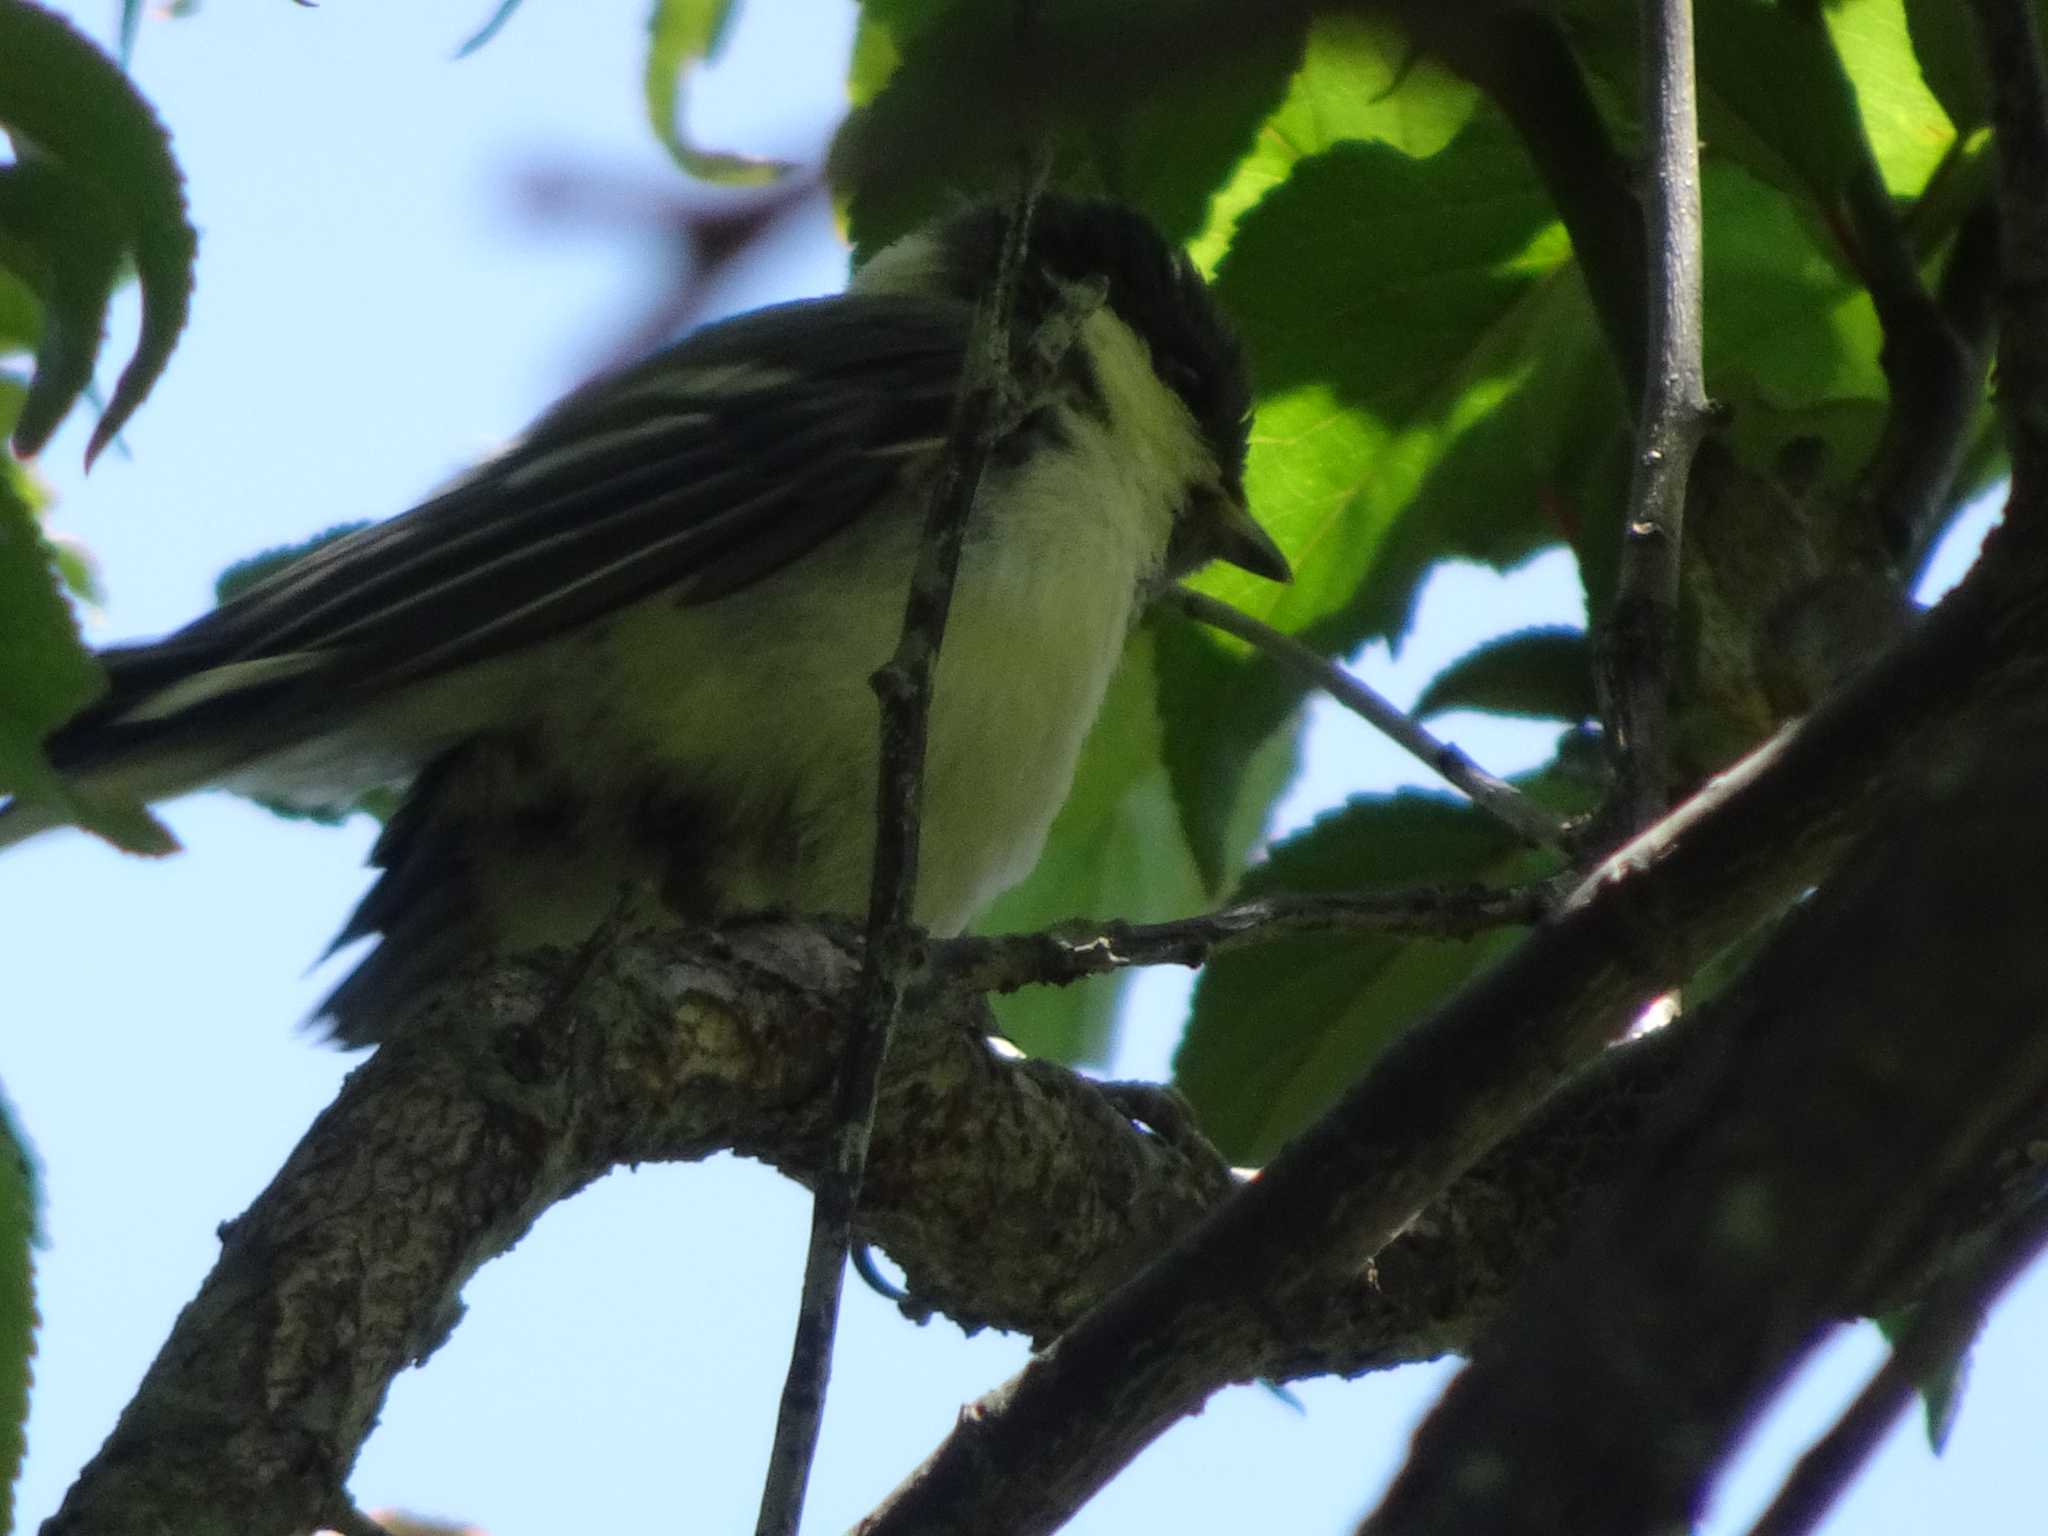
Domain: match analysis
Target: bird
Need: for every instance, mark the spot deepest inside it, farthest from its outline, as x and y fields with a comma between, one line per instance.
x=624, y=665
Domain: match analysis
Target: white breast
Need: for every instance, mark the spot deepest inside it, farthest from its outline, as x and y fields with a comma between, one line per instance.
x=762, y=700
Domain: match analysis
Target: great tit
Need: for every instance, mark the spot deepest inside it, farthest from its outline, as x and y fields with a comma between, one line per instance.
x=628, y=659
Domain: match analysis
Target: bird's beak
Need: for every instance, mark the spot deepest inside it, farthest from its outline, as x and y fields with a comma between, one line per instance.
x=1240, y=540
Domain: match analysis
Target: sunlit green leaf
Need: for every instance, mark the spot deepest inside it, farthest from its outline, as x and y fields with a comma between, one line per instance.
x=1537, y=673
x=1432, y=385
x=682, y=34
x=46, y=676
x=1907, y=128
x=1360, y=78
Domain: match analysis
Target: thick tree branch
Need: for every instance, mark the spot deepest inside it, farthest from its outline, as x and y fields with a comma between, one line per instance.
x=678, y=1046
x=1885, y=1045
x=1205, y=1313
x=441, y=1150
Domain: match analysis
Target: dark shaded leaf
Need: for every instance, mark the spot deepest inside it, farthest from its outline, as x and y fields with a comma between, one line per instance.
x=1223, y=713
x=1544, y=674
x=1941, y=1392
x=1153, y=102
x=1278, y=1031
x=1945, y=44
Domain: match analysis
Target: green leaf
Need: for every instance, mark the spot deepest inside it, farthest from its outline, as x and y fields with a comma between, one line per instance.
x=1278, y=1031
x=680, y=35
x=77, y=568
x=1775, y=95
x=1785, y=327
x=1795, y=92
x=20, y=1202
x=1544, y=674
x=1152, y=102
x=21, y=318
x=1390, y=305
x=1433, y=385
x=1360, y=78
x=1941, y=1390
x=46, y=674
x=1944, y=42
x=1227, y=754
x=46, y=677
x=1115, y=851
x=875, y=57
x=1909, y=133
x=94, y=184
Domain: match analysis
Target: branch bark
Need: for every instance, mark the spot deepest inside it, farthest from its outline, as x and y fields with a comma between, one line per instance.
x=1881, y=1049
x=1212, y=1309
x=1638, y=643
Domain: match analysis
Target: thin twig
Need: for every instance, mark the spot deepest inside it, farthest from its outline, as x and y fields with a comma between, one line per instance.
x=904, y=688
x=1498, y=798
x=1941, y=1329
x=1075, y=950
x=2011, y=41
x=1637, y=650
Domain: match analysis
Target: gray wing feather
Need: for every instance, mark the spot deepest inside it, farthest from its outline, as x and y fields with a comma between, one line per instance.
x=702, y=469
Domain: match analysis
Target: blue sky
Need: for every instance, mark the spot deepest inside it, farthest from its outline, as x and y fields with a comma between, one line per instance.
x=379, y=302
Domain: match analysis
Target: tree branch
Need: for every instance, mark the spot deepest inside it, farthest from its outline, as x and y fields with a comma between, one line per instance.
x=1205, y=1312
x=1939, y=1332
x=1639, y=639
x=2011, y=40
x=440, y=1151
x=1498, y=798
x=518, y=1090
x=1878, y=1053
x=1084, y=947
